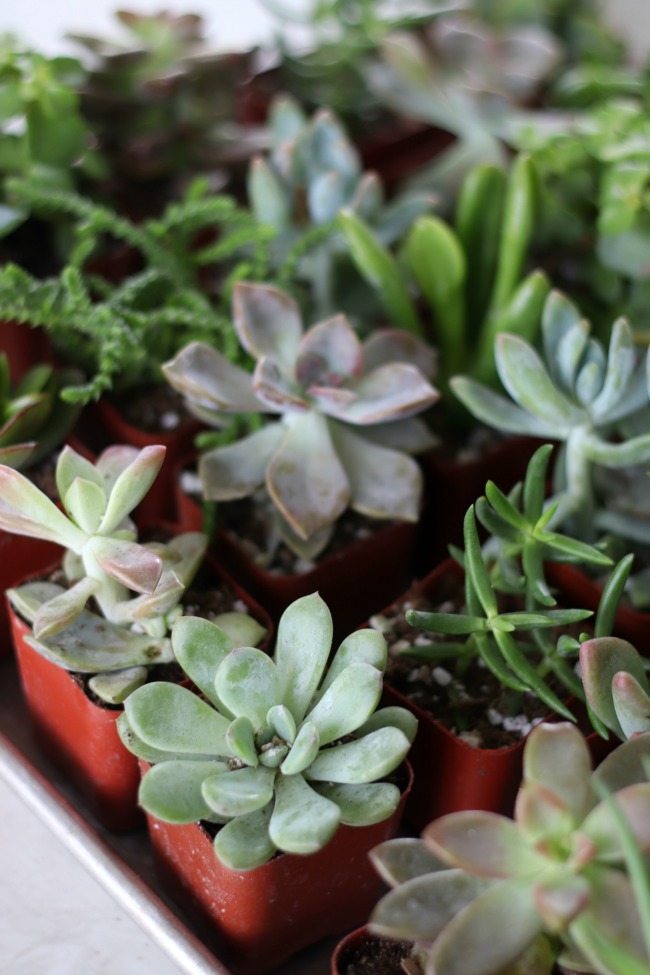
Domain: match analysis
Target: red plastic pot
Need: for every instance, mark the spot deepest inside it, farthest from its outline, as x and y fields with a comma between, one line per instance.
x=354, y=945
x=79, y=735
x=452, y=485
x=19, y=557
x=25, y=347
x=257, y=919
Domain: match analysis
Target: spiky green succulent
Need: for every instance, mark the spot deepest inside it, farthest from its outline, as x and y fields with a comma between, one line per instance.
x=280, y=750
x=345, y=416
x=557, y=871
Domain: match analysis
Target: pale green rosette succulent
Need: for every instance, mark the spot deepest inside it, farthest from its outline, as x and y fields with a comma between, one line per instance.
x=345, y=416
x=134, y=589
x=279, y=751
x=482, y=894
x=592, y=400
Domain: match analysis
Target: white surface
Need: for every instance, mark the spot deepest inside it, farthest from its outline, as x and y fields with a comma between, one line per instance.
x=55, y=919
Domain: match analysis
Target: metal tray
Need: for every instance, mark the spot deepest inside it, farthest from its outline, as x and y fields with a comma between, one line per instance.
x=123, y=864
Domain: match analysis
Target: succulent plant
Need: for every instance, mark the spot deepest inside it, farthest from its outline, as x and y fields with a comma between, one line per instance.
x=120, y=333
x=558, y=872
x=616, y=685
x=312, y=171
x=465, y=78
x=103, y=562
x=510, y=616
x=33, y=420
x=469, y=273
x=161, y=100
x=346, y=416
x=279, y=751
x=590, y=400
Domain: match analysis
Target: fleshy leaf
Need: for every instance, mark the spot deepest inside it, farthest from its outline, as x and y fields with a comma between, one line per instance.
x=239, y=469
x=365, y=760
x=397, y=861
x=268, y=322
x=362, y=805
x=24, y=510
x=281, y=720
x=328, y=352
x=134, y=565
x=115, y=686
x=204, y=375
x=172, y=791
x=303, y=751
x=632, y=705
x=240, y=792
x=60, y=611
x=248, y=684
x=85, y=502
x=390, y=717
x=200, y=648
x=600, y=825
x=172, y=718
x=131, y=487
x=349, y=702
x=363, y=646
x=483, y=843
x=557, y=757
x=559, y=903
x=600, y=660
x=244, y=843
x=524, y=375
x=390, y=392
x=241, y=741
x=301, y=651
x=302, y=820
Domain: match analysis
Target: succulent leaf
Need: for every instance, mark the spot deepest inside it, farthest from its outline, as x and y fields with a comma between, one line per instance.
x=302, y=648
x=24, y=510
x=240, y=738
x=268, y=322
x=362, y=646
x=235, y=471
x=361, y=805
x=240, y=792
x=248, y=684
x=131, y=487
x=557, y=757
x=170, y=717
x=600, y=660
x=364, y=760
x=134, y=565
x=201, y=373
x=60, y=611
x=173, y=791
x=600, y=825
x=302, y=820
x=402, y=859
x=244, y=843
x=348, y=702
x=303, y=751
x=485, y=844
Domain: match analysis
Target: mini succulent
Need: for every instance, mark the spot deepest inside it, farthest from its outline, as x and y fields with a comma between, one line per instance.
x=33, y=420
x=469, y=272
x=616, y=685
x=280, y=750
x=594, y=402
x=466, y=78
x=558, y=872
x=312, y=171
x=346, y=416
x=103, y=563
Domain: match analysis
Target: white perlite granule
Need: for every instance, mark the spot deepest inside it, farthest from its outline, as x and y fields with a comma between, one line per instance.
x=518, y=722
x=442, y=676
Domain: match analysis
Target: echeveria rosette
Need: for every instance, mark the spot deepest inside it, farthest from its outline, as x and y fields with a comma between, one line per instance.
x=103, y=561
x=346, y=414
x=579, y=394
x=281, y=750
x=555, y=872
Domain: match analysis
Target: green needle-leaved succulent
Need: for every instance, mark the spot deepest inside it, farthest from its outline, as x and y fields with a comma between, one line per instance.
x=480, y=890
x=104, y=562
x=346, y=416
x=280, y=750
x=576, y=393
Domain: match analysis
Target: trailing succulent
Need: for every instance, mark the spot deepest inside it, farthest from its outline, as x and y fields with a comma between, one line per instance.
x=567, y=873
x=594, y=402
x=103, y=564
x=33, y=419
x=345, y=416
x=523, y=647
x=277, y=751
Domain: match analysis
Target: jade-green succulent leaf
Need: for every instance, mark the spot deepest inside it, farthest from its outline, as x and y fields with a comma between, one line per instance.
x=240, y=792
x=245, y=843
x=362, y=646
x=248, y=684
x=302, y=820
x=200, y=648
x=235, y=471
x=173, y=791
x=172, y=718
x=303, y=751
x=394, y=717
x=131, y=487
x=361, y=805
x=240, y=738
x=364, y=760
x=61, y=610
x=301, y=651
x=348, y=702
x=85, y=502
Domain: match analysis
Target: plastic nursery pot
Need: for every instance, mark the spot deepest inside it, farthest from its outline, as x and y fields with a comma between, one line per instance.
x=402, y=147
x=453, y=483
x=353, y=581
x=257, y=919
x=20, y=557
x=24, y=347
x=103, y=424
x=451, y=774
x=577, y=589
x=78, y=734
x=360, y=949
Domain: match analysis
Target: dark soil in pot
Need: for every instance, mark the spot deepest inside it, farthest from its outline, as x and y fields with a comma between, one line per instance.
x=361, y=953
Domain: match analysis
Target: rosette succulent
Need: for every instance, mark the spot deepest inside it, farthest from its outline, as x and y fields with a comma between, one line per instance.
x=104, y=562
x=594, y=402
x=278, y=751
x=557, y=873
x=346, y=416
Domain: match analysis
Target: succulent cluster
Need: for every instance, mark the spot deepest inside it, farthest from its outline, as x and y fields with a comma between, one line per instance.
x=345, y=416
x=279, y=751
x=557, y=872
